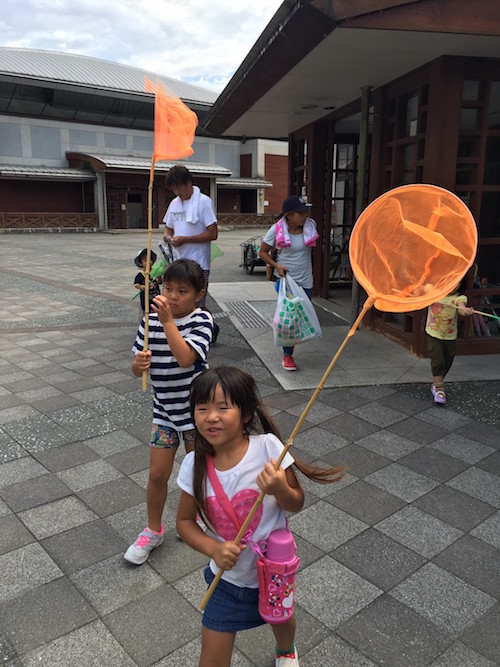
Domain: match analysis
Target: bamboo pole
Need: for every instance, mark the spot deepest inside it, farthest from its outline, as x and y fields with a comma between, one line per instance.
x=148, y=267
x=366, y=306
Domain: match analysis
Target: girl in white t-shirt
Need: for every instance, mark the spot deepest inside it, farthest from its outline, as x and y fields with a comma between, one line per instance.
x=225, y=405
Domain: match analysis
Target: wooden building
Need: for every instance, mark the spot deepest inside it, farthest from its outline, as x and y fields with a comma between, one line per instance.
x=373, y=94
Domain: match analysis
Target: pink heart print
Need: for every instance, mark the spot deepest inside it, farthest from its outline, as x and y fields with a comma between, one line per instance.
x=242, y=503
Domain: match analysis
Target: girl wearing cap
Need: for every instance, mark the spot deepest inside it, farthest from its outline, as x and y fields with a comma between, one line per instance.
x=293, y=236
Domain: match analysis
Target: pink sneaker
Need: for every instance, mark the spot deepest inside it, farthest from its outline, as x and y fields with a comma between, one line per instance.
x=139, y=551
x=289, y=364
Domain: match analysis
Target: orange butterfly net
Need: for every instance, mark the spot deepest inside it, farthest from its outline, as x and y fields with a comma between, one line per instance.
x=408, y=249
x=412, y=246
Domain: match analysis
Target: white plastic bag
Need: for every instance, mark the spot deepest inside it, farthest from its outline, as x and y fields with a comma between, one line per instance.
x=295, y=320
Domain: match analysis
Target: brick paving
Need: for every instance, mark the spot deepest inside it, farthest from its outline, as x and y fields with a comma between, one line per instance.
x=400, y=560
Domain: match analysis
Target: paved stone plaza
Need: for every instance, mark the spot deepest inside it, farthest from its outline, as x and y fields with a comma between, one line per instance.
x=400, y=560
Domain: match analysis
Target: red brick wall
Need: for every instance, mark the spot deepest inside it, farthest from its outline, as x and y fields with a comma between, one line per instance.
x=276, y=171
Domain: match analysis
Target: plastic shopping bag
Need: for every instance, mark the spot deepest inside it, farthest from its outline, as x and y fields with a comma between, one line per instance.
x=295, y=320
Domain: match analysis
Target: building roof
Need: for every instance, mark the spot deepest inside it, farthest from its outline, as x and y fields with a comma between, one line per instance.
x=101, y=162
x=84, y=71
x=46, y=173
x=338, y=48
x=243, y=183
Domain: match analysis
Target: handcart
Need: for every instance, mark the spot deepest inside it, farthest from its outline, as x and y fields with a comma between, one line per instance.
x=250, y=254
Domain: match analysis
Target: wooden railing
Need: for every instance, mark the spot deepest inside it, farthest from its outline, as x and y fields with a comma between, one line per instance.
x=245, y=220
x=48, y=220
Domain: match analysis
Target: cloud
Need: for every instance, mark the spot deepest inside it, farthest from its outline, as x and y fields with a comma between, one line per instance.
x=198, y=41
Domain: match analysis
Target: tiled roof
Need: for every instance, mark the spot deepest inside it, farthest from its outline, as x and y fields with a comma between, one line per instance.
x=80, y=70
x=142, y=163
x=244, y=183
x=51, y=173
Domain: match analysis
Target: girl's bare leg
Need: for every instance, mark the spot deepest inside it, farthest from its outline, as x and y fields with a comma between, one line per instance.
x=284, y=633
x=216, y=648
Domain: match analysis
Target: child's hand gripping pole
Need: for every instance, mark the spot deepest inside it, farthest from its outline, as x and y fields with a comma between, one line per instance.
x=366, y=306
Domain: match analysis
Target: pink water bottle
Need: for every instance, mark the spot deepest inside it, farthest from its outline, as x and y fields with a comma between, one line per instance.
x=276, y=569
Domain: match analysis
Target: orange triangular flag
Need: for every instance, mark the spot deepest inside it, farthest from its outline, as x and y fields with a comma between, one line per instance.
x=175, y=125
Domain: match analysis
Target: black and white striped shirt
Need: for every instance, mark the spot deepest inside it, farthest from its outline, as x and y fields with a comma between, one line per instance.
x=171, y=383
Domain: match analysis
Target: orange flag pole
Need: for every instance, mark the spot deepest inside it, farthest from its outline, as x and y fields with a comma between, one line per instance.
x=174, y=128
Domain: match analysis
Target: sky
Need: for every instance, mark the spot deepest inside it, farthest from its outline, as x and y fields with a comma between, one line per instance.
x=198, y=41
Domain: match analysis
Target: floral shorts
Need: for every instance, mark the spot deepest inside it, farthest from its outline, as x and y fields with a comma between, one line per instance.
x=166, y=437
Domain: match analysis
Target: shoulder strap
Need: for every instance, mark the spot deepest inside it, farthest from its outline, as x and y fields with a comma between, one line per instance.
x=220, y=493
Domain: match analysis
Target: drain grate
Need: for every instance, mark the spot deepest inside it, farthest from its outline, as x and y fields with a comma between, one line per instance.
x=249, y=317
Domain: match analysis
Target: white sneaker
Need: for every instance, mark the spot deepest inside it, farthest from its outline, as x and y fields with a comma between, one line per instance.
x=139, y=551
x=287, y=661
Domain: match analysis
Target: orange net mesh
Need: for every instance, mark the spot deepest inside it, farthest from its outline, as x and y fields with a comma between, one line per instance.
x=412, y=246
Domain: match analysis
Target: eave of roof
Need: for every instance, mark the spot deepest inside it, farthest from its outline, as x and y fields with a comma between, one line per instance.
x=345, y=46
x=243, y=183
x=46, y=173
x=100, y=162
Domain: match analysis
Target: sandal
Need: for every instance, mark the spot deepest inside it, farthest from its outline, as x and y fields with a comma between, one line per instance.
x=439, y=397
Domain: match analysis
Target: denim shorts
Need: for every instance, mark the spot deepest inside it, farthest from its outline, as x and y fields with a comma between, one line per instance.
x=231, y=608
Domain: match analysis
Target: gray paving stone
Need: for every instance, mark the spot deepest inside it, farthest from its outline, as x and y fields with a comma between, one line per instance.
x=83, y=546
x=318, y=443
x=25, y=568
x=454, y=507
x=150, y=616
x=33, y=492
x=332, y=592
x=388, y=444
x=14, y=534
x=401, y=482
x=325, y=526
x=335, y=651
x=489, y=530
x=409, y=405
x=13, y=472
x=480, y=433
x=462, y=448
x=474, y=561
x=81, y=647
x=415, y=429
x=359, y=461
x=43, y=614
x=344, y=399
x=38, y=433
x=458, y=654
x=444, y=599
x=112, y=497
x=378, y=558
x=419, y=531
x=433, y=463
x=349, y=427
x=491, y=463
x=366, y=502
x=65, y=456
x=317, y=413
x=484, y=637
x=131, y=460
x=88, y=475
x=113, y=583
x=386, y=630
x=479, y=484
x=56, y=517
x=447, y=419
x=378, y=414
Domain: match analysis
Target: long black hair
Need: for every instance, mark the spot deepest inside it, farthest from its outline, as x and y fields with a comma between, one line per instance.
x=239, y=389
